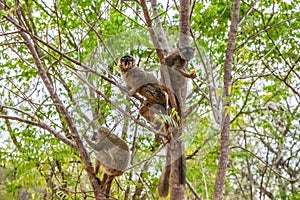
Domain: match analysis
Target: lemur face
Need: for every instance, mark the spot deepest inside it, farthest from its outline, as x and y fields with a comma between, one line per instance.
x=101, y=131
x=126, y=63
x=187, y=52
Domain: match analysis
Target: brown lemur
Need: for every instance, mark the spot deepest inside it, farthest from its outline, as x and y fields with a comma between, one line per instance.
x=176, y=62
x=163, y=182
x=145, y=84
x=112, y=155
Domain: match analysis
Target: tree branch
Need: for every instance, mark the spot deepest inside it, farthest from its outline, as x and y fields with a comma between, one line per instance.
x=225, y=131
x=164, y=69
x=59, y=105
x=162, y=38
x=43, y=126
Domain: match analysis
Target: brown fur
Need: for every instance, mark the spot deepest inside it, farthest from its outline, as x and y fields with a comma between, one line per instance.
x=146, y=84
x=112, y=155
x=176, y=62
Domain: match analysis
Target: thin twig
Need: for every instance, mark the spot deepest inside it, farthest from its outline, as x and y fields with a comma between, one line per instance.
x=147, y=159
x=193, y=190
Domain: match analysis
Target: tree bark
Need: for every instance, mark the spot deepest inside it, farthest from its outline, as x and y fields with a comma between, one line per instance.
x=176, y=145
x=225, y=130
x=162, y=38
x=184, y=23
x=155, y=41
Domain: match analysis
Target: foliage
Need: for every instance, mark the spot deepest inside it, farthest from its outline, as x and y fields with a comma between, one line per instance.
x=76, y=39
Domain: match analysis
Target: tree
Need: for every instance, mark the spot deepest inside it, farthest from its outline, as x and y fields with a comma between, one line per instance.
x=60, y=80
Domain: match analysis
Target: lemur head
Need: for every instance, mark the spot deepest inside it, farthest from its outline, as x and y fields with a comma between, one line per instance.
x=186, y=52
x=101, y=131
x=126, y=63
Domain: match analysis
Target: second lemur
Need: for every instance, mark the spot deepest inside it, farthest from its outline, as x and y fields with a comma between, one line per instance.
x=112, y=155
x=176, y=61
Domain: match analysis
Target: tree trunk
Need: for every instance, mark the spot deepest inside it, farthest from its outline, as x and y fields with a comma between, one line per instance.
x=225, y=130
x=177, y=152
